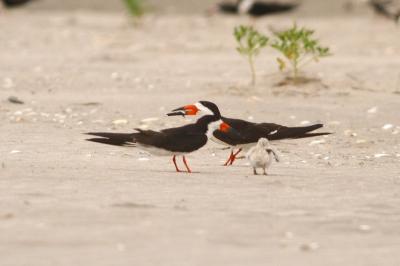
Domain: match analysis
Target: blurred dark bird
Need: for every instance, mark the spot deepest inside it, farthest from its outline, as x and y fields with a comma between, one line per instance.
x=14, y=3
x=387, y=8
x=254, y=8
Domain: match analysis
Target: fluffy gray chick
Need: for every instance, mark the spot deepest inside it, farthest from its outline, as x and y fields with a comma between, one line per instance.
x=261, y=155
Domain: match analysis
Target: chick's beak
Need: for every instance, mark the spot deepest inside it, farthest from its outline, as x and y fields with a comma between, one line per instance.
x=185, y=110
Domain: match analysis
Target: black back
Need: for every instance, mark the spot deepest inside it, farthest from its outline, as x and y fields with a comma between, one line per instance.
x=183, y=139
x=249, y=132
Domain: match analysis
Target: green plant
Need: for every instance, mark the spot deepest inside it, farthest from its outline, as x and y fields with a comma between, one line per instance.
x=250, y=42
x=299, y=47
x=135, y=7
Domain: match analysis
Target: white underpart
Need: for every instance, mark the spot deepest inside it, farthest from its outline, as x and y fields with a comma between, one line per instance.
x=203, y=110
x=158, y=151
x=245, y=6
x=212, y=127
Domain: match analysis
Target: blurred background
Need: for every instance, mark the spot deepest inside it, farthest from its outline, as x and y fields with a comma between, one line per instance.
x=307, y=7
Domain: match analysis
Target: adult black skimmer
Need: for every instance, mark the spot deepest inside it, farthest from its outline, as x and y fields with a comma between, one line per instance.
x=387, y=8
x=246, y=133
x=254, y=8
x=168, y=142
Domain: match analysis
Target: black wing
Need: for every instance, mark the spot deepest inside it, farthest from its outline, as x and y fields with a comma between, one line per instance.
x=251, y=132
x=172, y=139
x=117, y=139
x=261, y=8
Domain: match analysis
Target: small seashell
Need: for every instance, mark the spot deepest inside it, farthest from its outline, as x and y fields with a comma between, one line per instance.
x=115, y=76
x=316, y=142
x=387, y=126
x=143, y=159
x=14, y=151
x=8, y=83
x=365, y=227
x=379, y=155
x=350, y=133
x=120, y=122
x=305, y=122
x=372, y=110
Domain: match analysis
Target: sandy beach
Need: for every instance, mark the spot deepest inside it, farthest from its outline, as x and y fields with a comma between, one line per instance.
x=332, y=200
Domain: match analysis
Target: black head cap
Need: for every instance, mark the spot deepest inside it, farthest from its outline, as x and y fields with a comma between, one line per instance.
x=212, y=106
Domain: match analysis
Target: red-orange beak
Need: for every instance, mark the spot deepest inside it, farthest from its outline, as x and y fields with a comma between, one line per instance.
x=224, y=127
x=185, y=110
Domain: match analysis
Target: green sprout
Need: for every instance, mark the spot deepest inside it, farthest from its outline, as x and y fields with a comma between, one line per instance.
x=135, y=7
x=299, y=48
x=250, y=42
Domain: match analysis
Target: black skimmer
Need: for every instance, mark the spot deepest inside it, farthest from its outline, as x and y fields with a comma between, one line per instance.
x=387, y=8
x=168, y=142
x=246, y=133
x=14, y=3
x=254, y=8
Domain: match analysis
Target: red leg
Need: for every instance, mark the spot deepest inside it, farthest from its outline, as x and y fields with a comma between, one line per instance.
x=187, y=167
x=229, y=159
x=176, y=166
x=234, y=156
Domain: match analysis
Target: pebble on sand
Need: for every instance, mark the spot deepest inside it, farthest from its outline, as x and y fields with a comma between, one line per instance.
x=309, y=246
x=15, y=100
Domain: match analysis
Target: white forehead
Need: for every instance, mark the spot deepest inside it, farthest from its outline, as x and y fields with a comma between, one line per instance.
x=203, y=109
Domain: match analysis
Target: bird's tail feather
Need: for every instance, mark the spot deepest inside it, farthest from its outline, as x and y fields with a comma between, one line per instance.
x=297, y=132
x=116, y=139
